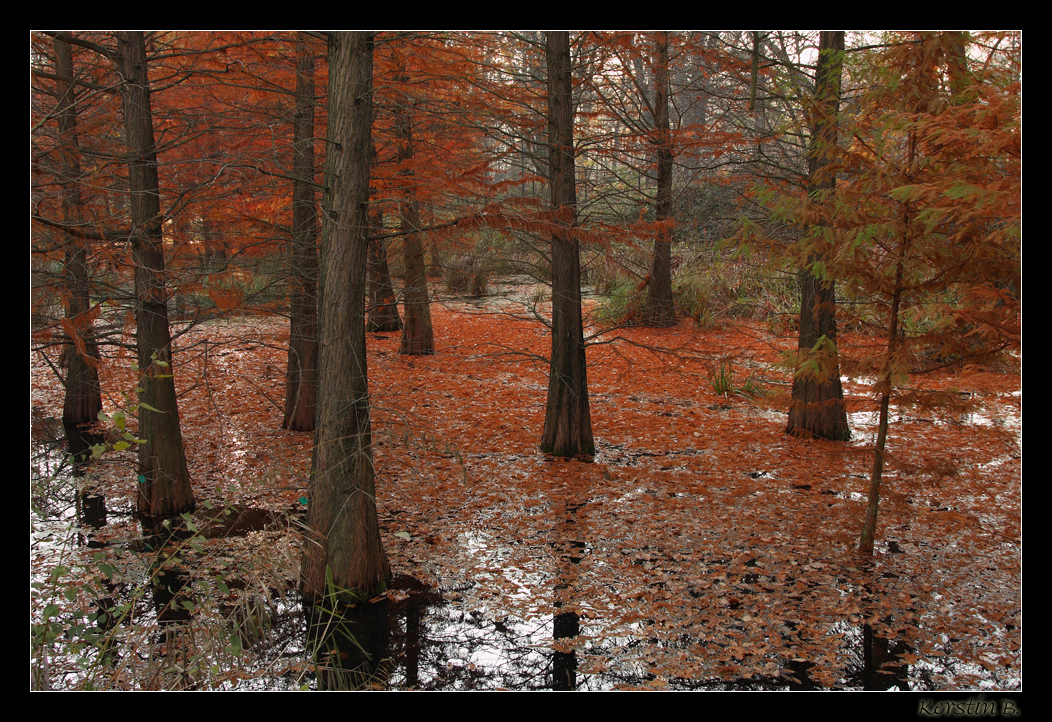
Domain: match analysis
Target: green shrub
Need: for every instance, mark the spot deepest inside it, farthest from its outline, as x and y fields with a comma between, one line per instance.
x=706, y=287
x=622, y=304
x=694, y=297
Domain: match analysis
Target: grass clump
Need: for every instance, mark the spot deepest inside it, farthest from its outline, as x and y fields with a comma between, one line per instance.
x=708, y=287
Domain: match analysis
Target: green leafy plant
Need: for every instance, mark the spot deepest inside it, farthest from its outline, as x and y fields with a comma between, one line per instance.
x=120, y=417
x=723, y=382
x=723, y=378
x=94, y=616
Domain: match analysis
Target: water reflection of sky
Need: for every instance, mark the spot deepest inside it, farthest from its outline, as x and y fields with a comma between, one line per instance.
x=479, y=645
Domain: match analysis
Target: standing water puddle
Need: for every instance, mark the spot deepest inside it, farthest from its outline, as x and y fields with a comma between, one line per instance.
x=686, y=611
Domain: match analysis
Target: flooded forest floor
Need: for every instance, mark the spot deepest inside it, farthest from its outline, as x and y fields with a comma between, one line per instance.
x=702, y=548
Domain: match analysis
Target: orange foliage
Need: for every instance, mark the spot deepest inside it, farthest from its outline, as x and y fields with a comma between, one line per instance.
x=713, y=543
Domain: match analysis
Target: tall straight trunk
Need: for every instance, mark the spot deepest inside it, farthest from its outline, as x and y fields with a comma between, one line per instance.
x=817, y=408
x=343, y=534
x=661, y=310
x=434, y=258
x=418, y=337
x=567, y=420
x=301, y=383
x=383, y=305
x=869, y=528
x=957, y=67
x=163, y=480
x=885, y=380
x=83, y=400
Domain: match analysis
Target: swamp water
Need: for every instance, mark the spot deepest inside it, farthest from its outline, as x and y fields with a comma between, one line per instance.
x=151, y=626
x=111, y=610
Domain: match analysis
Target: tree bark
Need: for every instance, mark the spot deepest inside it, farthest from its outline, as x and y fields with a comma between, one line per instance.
x=163, y=481
x=957, y=68
x=383, y=304
x=567, y=421
x=343, y=535
x=661, y=310
x=301, y=382
x=885, y=380
x=817, y=408
x=869, y=528
x=83, y=400
x=418, y=337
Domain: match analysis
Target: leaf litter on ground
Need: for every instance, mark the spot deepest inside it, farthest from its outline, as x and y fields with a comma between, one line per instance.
x=702, y=543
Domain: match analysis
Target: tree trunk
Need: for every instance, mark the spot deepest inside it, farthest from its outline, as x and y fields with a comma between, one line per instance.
x=344, y=536
x=661, y=310
x=301, y=383
x=869, y=528
x=163, y=481
x=567, y=421
x=961, y=92
x=383, y=305
x=83, y=400
x=885, y=380
x=418, y=337
x=434, y=262
x=817, y=408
